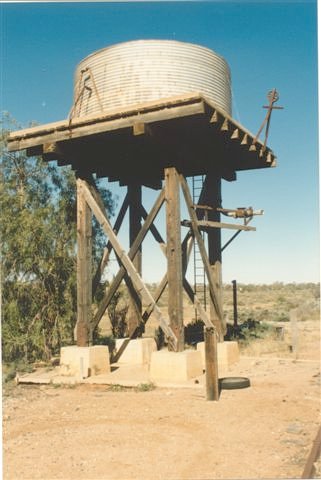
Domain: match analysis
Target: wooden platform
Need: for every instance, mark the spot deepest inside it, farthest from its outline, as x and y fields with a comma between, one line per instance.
x=188, y=132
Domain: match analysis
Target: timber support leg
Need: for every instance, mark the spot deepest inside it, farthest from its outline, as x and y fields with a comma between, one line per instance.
x=84, y=274
x=135, y=306
x=212, y=198
x=211, y=368
x=174, y=255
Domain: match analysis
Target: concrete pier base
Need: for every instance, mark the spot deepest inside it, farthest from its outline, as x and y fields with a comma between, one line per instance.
x=168, y=366
x=137, y=352
x=227, y=354
x=83, y=362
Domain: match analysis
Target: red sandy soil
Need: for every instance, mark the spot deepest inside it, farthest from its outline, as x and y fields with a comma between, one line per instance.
x=92, y=432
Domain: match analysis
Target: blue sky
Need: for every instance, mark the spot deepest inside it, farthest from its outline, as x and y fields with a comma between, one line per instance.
x=266, y=44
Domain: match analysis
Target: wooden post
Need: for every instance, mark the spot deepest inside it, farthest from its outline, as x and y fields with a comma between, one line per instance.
x=211, y=370
x=309, y=469
x=105, y=257
x=234, y=303
x=135, y=201
x=212, y=198
x=84, y=274
x=174, y=255
x=294, y=331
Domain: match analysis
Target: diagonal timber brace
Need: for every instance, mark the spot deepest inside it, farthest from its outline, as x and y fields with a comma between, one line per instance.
x=106, y=253
x=94, y=201
x=198, y=305
x=187, y=246
x=157, y=236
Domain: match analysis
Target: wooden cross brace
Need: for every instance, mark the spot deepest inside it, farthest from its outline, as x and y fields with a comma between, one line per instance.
x=94, y=201
x=107, y=250
x=186, y=248
x=131, y=254
x=127, y=270
x=187, y=245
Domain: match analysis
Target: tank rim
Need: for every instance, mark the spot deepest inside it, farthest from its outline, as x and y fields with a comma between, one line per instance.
x=146, y=40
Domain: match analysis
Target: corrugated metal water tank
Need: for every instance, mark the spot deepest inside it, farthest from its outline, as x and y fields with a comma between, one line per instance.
x=130, y=73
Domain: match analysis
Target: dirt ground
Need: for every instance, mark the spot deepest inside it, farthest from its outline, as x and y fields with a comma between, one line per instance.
x=93, y=432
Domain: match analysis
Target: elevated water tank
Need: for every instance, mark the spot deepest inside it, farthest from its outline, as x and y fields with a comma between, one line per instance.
x=130, y=73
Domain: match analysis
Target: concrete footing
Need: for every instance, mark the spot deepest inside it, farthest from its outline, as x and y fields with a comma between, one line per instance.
x=137, y=352
x=227, y=354
x=83, y=362
x=168, y=366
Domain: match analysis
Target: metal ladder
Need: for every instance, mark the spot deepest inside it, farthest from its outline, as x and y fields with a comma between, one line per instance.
x=199, y=272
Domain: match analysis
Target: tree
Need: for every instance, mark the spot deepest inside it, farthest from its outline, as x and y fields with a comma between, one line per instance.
x=38, y=253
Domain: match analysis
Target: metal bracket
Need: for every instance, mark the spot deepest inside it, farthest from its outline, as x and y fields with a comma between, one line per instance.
x=246, y=213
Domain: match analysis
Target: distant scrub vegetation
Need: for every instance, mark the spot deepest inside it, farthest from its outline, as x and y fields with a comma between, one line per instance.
x=38, y=253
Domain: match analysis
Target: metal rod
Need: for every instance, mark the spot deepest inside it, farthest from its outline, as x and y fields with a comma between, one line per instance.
x=234, y=302
x=231, y=240
x=246, y=221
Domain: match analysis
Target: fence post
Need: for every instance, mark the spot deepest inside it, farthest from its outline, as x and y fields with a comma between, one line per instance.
x=294, y=331
x=211, y=370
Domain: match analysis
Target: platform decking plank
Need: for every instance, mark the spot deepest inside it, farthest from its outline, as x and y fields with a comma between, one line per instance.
x=66, y=130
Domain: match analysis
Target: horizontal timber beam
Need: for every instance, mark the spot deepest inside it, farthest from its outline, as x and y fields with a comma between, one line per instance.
x=204, y=224
x=119, y=119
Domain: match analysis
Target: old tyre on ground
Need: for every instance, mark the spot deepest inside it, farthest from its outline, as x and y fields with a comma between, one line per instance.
x=233, y=383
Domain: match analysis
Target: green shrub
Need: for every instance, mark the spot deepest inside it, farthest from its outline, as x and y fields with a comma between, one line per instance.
x=10, y=370
x=117, y=388
x=145, y=387
x=247, y=331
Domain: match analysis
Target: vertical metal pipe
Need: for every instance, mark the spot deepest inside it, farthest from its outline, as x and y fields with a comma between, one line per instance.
x=234, y=302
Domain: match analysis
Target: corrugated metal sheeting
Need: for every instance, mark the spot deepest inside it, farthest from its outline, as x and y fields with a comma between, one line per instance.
x=140, y=71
